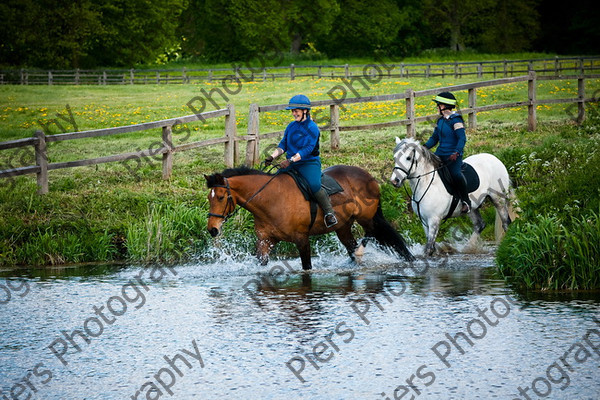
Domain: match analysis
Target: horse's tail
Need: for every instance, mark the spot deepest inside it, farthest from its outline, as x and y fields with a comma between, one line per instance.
x=386, y=235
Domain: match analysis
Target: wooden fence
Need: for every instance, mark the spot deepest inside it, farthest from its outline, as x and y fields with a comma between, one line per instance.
x=531, y=102
x=505, y=68
x=253, y=138
x=167, y=148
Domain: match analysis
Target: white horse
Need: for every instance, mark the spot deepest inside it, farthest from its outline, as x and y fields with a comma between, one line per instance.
x=430, y=199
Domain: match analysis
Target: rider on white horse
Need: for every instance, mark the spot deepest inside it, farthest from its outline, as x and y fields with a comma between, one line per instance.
x=450, y=134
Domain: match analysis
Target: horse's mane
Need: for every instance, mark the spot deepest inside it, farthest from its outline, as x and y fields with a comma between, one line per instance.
x=217, y=178
x=430, y=157
x=243, y=170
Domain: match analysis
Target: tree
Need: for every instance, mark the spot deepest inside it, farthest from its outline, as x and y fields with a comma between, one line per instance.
x=134, y=31
x=46, y=33
x=454, y=24
x=362, y=28
x=230, y=30
x=307, y=20
x=511, y=26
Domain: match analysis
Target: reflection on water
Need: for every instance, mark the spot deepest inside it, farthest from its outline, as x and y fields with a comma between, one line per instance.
x=340, y=332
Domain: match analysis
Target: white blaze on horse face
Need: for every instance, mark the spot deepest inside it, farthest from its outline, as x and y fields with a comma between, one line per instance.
x=212, y=193
x=402, y=165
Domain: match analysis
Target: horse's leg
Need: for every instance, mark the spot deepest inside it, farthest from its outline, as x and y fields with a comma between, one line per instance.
x=501, y=204
x=431, y=230
x=345, y=236
x=478, y=226
x=303, y=246
x=264, y=245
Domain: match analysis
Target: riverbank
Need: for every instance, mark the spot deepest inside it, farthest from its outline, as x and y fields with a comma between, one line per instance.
x=108, y=213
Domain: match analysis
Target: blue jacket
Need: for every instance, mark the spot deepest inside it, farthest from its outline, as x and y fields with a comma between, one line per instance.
x=450, y=133
x=302, y=138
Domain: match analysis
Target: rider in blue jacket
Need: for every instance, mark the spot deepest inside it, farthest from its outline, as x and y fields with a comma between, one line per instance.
x=301, y=144
x=450, y=134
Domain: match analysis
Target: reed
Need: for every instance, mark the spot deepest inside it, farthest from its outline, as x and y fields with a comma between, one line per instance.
x=553, y=253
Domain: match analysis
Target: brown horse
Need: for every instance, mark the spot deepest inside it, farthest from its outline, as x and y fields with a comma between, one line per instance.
x=282, y=214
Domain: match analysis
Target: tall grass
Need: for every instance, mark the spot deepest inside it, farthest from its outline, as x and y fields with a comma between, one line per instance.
x=167, y=233
x=553, y=253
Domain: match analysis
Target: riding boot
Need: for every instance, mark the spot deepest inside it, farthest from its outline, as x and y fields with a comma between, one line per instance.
x=461, y=185
x=323, y=199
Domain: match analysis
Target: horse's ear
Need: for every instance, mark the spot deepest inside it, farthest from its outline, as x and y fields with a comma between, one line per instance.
x=214, y=179
x=398, y=140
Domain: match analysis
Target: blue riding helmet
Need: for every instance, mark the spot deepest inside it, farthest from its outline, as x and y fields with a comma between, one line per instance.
x=299, y=101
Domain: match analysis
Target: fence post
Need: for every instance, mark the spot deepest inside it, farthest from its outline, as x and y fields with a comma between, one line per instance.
x=77, y=76
x=410, y=113
x=167, y=159
x=157, y=77
x=472, y=105
x=253, y=139
x=346, y=72
x=532, y=107
x=505, y=69
x=292, y=72
x=230, y=133
x=50, y=79
x=480, y=70
x=104, y=77
x=334, y=126
x=456, y=70
x=581, y=102
x=41, y=160
x=428, y=71
x=184, y=78
x=131, y=76
x=581, y=66
x=556, y=66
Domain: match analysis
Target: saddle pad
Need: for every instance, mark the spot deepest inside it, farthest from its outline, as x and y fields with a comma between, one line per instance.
x=470, y=175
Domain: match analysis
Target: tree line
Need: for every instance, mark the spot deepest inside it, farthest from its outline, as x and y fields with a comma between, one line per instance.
x=119, y=33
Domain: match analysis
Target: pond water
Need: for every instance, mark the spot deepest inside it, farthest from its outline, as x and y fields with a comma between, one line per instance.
x=226, y=327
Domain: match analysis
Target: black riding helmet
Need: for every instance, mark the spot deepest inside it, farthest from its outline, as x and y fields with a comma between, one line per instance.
x=446, y=98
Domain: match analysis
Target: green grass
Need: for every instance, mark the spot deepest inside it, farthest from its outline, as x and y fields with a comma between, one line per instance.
x=105, y=212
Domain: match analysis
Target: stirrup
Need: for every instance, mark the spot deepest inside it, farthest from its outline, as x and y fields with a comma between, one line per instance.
x=330, y=220
x=465, y=209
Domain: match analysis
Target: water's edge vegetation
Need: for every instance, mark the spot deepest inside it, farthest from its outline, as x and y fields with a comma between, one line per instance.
x=105, y=214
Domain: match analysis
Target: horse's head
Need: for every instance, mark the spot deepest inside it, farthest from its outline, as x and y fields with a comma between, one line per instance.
x=221, y=202
x=407, y=154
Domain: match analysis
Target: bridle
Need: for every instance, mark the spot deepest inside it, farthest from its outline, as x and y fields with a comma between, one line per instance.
x=225, y=215
x=407, y=173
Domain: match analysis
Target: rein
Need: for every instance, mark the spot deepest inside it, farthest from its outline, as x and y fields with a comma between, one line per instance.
x=418, y=202
x=225, y=215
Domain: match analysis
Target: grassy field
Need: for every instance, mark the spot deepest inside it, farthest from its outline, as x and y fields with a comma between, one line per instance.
x=106, y=212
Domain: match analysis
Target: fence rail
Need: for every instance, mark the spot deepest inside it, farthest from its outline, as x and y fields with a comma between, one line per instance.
x=503, y=68
x=471, y=111
x=167, y=149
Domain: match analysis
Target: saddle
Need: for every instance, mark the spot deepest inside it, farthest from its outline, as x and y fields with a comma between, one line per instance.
x=330, y=185
x=472, y=184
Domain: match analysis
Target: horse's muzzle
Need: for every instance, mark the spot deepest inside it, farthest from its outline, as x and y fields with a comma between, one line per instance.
x=213, y=232
x=396, y=182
